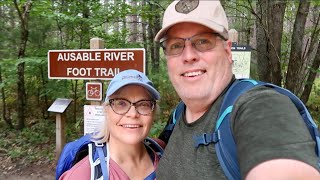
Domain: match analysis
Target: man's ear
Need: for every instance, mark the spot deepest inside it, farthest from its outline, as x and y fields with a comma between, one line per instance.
x=227, y=47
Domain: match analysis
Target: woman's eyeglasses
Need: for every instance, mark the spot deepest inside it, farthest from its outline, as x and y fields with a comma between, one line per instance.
x=122, y=106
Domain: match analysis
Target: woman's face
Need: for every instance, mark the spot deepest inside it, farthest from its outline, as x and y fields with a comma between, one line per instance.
x=130, y=127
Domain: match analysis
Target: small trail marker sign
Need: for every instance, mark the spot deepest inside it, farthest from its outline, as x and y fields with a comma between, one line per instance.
x=94, y=91
x=241, y=56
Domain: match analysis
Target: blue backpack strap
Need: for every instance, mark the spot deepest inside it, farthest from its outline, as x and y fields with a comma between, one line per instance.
x=166, y=133
x=69, y=153
x=103, y=154
x=151, y=176
x=154, y=146
x=175, y=116
x=312, y=126
x=225, y=146
x=230, y=97
x=99, y=160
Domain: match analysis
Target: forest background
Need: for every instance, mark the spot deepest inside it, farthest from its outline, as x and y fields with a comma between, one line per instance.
x=284, y=36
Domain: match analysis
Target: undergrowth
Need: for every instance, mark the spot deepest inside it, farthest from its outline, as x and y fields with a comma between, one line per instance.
x=314, y=101
x=35, y=143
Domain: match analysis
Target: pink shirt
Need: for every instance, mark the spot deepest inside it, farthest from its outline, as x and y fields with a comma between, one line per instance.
x=81, y=170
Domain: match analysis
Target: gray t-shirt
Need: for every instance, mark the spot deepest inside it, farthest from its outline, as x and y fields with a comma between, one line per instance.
x=265, y=125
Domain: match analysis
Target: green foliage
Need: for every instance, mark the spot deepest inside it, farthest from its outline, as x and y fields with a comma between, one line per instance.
x=169, y=98
x=9, y=80
x=157, y=128
x=314, y=101
x=74, y=130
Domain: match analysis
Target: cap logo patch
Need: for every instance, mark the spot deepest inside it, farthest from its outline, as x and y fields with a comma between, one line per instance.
x=186, y=6
x=133, y=77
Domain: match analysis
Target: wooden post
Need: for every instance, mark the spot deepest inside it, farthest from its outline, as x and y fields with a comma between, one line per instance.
x=96, y=43
x=59, y=107
x=233, y=36
x=60, y=134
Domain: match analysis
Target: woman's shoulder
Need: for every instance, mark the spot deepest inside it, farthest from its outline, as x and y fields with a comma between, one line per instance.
x=81, y=170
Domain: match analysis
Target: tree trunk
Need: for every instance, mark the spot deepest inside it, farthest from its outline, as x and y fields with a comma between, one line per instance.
x=23, y=15
x=45, y=113
x=85, y=27
x=156, y=46
x=293, y=82
x=124, y=19
x=151, y=34
x=133, y=27
x=275, y=17
x=311, y=49
x=269, y=22
x=261, y=36
x=311, y=77
x=75, y=97
x=4, y=104
x=21, y=96
x=145, y=39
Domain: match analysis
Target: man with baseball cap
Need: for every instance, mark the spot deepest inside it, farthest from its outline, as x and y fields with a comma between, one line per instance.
x=272, y=141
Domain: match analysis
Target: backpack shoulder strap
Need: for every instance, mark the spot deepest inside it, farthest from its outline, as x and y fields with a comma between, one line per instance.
x=312, y=126
x=225, y=145
x=70, y=154
x=154, y=145
x=99, y=160
x=166, y=133
x=175, y=116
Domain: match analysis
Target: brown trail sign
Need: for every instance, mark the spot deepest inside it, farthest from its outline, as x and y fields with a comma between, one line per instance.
x=93, y=63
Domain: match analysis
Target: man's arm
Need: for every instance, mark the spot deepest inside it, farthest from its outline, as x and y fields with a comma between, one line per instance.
x=281, y=169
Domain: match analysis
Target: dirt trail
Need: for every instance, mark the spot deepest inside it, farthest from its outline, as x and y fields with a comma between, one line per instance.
x=23, y=171
x=26, y=177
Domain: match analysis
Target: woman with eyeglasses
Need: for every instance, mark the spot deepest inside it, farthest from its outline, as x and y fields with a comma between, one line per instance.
x=130, y=108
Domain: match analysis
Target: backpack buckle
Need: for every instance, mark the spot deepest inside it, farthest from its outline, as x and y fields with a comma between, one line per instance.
x=98, y=144
x=205, y=139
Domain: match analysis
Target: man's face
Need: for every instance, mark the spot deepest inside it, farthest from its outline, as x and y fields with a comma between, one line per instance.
x=198, y=75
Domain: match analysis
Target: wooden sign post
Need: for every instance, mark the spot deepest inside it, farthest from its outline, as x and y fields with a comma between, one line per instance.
x=233, y=36
x=95, y=43
x=59, y=106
